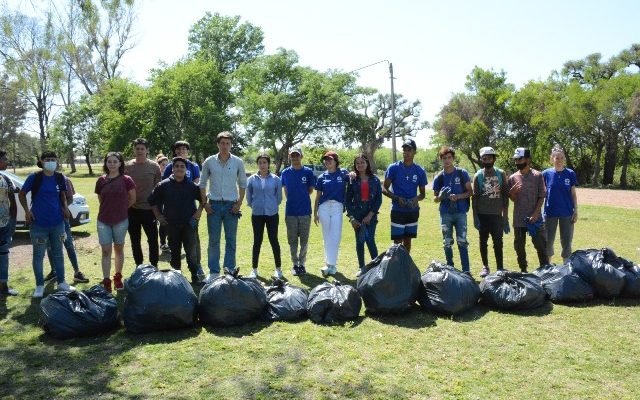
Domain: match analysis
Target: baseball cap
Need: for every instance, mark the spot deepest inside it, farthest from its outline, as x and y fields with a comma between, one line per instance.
x=487, y=151
x=410, y=143
x=295, y=150
x=331, y=154
x=522, y=152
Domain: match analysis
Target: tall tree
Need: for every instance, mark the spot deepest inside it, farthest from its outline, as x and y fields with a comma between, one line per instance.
x=12, y=111
x=225, y=40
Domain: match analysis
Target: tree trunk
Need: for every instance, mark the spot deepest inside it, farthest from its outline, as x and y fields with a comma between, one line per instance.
x=87, y=159
x=625, y=164
x=596, y=165
x=71, y=160
x=280, y=155
x=610, y=158
x=369, y=150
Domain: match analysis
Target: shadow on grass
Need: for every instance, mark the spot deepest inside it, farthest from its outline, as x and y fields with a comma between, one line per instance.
x=616, y=302
x=414, y=318
x=311, y=280
x=541, y=311
x=239, y=331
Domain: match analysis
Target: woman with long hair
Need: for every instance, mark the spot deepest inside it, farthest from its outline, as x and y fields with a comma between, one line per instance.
x=116, y=193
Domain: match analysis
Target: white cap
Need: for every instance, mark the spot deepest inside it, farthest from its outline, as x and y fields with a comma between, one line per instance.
x=487, y=151
x=522, y=152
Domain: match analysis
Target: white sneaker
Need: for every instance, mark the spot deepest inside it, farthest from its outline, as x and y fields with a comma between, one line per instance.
x=328, y=270
x=254, y=273
x=39, y=292
x=65, y=287
x=278, y=273
x=212, y=277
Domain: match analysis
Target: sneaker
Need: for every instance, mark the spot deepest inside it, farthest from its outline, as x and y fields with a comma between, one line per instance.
x=360, y=272
x=78, y=277
x=253, y=273
x=195, y=279
x=201, y=275
x=117, y=281
x=165, y=248
x=50, y=276
x=212, y=277
x=295, y=271
x=301, y=270
x=106, y=284
x=328, y=270
x=64, y=286
x=5, y=290
x=231, y=271
x=38, y=293
x=278, y=273
x=484, y=272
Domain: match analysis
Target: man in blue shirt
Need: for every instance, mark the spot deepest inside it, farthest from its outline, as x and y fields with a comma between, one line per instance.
x=298, y=182
x=452, y=189
x=402, y=181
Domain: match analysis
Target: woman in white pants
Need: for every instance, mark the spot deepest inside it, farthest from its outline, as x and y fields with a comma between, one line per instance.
x=328, y=209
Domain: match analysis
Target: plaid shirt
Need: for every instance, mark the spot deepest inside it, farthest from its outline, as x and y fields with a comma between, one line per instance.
x=533, y=188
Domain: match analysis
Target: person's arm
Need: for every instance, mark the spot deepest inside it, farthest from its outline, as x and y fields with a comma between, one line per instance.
x=316, y=204
x=574, y=197
x=132, y=197
x=514, y=189
x=348, y=202
x=204, y=179
x=242, y=185
x=13, y=208
x=28, y=216
x=278, y=190
x=159, y=217
x=250, y=190
x=157, y=175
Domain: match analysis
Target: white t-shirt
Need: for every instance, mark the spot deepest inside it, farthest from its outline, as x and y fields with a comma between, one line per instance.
x=6, y=190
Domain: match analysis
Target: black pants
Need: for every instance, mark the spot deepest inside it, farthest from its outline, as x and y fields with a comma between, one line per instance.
x=258, y=222
x=146, y=220
x=539, y=242
x=491, y=225
x=162, y=232
x=183, y=235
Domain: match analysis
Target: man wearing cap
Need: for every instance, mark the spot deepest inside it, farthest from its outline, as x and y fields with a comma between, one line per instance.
x=527, y=191
x=490, y=208
x=402, y=181
x=452, y=189
x=298, y=182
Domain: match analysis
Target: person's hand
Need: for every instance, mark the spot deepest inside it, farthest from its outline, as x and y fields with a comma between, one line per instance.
x=367, y=220
x=444, y=193
x=67, y=213
x=402, y=202
x=506, y=228
x=235, y=208
x=534, y=217
x=515, y=189
x=476, y=221
x=355, y=224
x=29, y=218
x=413, y=203
x=208, y=209
x=197, y=214
x=162, y=220
x=316, y=219
x=352, y=176
x=453, y=197
x=574, y=218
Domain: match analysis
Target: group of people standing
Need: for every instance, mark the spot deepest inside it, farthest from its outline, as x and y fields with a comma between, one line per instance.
x=139, y=194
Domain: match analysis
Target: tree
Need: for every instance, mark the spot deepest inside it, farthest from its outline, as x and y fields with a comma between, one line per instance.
x=12, y=111
x=225, y=41
x=369, y=123
x=283, y=104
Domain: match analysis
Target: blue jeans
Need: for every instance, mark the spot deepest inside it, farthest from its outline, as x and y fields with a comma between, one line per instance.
x=6, y=235
x=222, y=216
x=40, y=238
x=448, y=221
x=366, y=234
x=69, y=246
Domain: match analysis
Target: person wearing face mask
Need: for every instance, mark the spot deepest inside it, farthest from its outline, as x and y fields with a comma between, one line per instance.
x=490, y=208
x=45, y=218
x=527, y=191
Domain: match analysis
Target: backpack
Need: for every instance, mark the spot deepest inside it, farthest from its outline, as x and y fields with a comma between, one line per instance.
x=37, y=182
x=480, y=176
x=440, y=180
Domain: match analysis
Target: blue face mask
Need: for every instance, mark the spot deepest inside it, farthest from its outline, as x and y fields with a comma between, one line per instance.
x=50, y=165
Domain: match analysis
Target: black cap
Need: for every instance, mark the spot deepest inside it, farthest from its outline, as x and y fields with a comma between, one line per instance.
x=410, y=143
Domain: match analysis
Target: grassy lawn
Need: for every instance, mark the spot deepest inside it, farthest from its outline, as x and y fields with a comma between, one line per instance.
x=581, y=351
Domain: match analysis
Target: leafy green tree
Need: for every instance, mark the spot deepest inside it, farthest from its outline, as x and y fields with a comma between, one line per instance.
x=12, y=111
x=225, y=41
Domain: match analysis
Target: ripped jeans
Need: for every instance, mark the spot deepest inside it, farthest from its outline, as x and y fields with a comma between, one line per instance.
x=449, y=221
x=41, y=236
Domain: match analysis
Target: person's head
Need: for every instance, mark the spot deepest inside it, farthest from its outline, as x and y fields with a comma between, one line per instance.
x=225, y=139
x=331, y=160
x=487, y=157
x=409, y=149
x=4, y=160
x=447, y=156
x=558, y=158
x=295, y=156
x=48, y=161
x=181, y=148
x=179, y=168
x=361, y=165
x=522, y=158
x=141, y=147
x=263, y=161
x=162, y=161
x=113, y=162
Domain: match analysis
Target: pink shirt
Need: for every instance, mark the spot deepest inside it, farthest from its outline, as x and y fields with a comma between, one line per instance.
x=114, y=198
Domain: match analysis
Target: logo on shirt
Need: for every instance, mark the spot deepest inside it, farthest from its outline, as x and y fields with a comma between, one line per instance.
x=457, y=180
x=304, y=179
x=339, y=179
x=567, y=182
x=414, y=179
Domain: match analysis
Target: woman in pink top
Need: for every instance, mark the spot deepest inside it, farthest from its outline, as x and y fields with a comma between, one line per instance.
x=116, y=193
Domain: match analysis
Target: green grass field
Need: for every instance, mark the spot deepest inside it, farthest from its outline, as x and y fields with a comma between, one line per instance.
x=581, y=351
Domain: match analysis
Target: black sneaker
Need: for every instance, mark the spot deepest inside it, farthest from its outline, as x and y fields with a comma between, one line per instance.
x=78, y=277
x=295, y=271
x=301, y=270
x=50, y=276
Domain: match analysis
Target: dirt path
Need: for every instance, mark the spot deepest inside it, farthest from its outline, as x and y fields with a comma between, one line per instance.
x=609, y=197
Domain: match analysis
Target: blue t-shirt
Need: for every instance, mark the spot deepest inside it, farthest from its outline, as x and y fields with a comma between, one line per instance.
x=298, y=182
x=558, y=202
x=332, y=185
x=452, y=180
x=46, y=206
x=405, y=182
x=193, y=171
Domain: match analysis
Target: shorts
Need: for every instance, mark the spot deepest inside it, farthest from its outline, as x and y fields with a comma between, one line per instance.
x=404, y=224
x=112, y=234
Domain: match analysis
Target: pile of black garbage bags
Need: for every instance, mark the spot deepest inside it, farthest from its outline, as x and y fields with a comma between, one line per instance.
x=159, y=300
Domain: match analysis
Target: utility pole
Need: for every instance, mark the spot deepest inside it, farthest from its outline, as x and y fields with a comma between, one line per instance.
x=393, y=114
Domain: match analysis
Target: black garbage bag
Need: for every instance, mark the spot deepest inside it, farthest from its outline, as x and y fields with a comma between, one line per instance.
x=631, y=278
x=333, y=302
x=391, y=282
x=512, y=290
x=447, y=290
x=232, y=300
x=158, y=300
x=65, y=315
x=563, y=285
x=286, y=302
x=600, y=268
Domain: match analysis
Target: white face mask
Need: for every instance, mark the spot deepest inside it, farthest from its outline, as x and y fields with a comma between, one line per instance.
x=50, y=165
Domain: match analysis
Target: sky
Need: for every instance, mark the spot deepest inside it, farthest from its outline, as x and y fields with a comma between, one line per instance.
x=433, y=45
